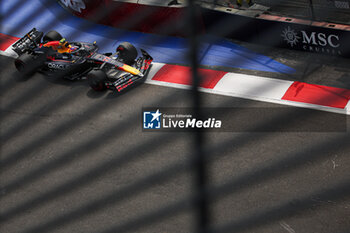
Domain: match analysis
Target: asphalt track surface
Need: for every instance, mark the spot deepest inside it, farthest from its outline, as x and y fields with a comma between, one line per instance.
x=73, y=160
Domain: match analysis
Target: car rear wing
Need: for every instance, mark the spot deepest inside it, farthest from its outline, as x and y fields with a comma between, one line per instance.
x=30, y=41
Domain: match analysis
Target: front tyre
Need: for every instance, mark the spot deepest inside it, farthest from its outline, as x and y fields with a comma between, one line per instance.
x=96, y=79
x=127, y=53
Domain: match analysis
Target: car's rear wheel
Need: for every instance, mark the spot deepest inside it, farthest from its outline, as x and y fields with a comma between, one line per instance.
x=26, y=64
x=52, y=36
x=127, y=53
x=96, y=79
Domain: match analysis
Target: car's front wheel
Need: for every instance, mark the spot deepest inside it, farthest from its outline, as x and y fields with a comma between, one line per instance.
x=127, y=53
x=96, y=79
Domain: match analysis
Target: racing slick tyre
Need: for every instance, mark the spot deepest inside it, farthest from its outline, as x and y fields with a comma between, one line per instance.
x=127, y=53
x=96, y=79
x=38, y=39
x=27, y=64
x=52, y=36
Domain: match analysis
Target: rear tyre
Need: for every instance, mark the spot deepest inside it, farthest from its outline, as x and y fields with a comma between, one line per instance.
x=52, y=36
x=127, y=53
x=38, y=38
x=96, y=79
x=26, y=64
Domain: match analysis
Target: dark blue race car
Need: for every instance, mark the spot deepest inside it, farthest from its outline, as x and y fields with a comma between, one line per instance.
x=53, y=55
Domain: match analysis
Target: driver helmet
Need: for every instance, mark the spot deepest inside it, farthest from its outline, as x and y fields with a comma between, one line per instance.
x=64, y=43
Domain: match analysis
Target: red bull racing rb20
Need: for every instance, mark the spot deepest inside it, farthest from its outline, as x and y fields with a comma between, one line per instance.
x=53, y=55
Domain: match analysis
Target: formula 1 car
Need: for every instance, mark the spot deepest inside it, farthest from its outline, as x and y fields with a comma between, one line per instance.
x=53, y=55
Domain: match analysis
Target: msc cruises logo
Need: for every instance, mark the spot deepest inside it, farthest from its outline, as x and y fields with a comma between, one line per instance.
x=151, y=120
x=76, y=5
x=312, y=41
x=290, y=36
